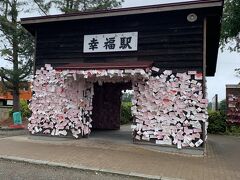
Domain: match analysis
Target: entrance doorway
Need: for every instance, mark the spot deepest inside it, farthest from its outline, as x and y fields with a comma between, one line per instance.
x=107, y=105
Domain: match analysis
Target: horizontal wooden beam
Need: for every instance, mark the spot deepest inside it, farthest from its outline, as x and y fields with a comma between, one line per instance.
x=115, y=65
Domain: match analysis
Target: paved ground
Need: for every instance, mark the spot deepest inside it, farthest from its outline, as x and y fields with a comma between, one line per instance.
x=10, y=170
x=7, y=133
x=221, y=163
x=124, y=136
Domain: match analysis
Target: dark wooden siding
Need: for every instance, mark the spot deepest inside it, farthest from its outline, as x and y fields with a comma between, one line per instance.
x=168, y=39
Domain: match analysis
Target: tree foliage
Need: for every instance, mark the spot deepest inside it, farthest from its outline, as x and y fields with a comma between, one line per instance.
x=17, y=44
x=126, y=113
x=223, y=106
x=217, y=122
x=72, y=6
x=127, y=97
x=16, y=47
x=209, y=107
x=231, y=25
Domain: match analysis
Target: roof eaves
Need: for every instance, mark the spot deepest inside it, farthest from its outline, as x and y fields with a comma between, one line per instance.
x=123, y=11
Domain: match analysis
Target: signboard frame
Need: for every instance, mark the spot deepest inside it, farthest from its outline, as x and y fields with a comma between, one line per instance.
x=113, y=42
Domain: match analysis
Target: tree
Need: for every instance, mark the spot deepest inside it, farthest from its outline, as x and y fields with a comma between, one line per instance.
x=71, y=6
x=105, y=4
x=209, y=106
x=231, y=25
x=17, y=48
x=127, y=96
x=223, y=106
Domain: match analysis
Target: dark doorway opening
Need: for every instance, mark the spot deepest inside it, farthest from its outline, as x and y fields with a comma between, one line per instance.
x=107, y=105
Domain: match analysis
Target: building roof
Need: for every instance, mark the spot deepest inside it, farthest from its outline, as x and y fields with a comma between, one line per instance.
x=123, y=11
x=233, y=86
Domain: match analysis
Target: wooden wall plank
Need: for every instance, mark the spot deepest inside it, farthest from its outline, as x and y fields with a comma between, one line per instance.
x=168, y=39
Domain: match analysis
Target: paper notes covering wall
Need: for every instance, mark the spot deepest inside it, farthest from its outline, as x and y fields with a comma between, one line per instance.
x=170, y=109
x=60, y=105
x=62, y=100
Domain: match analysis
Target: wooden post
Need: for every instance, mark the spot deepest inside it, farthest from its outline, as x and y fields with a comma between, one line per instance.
x=204, y=74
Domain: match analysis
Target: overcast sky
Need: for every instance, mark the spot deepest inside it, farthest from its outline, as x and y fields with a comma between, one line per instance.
x=227, y=61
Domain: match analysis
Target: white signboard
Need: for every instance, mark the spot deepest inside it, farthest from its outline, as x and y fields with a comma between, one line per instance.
x=111, y=42
x=9, y=102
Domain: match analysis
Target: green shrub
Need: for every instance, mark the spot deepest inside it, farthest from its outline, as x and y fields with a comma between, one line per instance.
x=126, y=116
x=233, y=130
x=217, y=122
x=26, y=112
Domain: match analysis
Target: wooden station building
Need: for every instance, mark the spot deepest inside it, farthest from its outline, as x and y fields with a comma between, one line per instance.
x=177, y=42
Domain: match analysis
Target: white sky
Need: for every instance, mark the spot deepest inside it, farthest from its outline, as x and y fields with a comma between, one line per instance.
x=227, y=61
